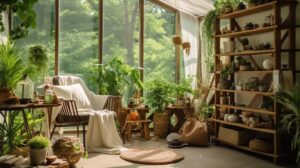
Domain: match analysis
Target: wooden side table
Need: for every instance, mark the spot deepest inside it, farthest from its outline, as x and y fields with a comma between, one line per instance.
x=142, y=122
x=181, y=114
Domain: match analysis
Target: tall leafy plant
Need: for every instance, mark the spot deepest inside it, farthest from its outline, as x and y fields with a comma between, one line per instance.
x=290, y=99
x=117, y=78
x=11, y=131
x=11, y=65
x=184, y=88
x=159, y=93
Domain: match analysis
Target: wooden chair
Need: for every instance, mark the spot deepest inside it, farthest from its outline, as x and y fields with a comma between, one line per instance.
x=114, y=103
x=68, y=117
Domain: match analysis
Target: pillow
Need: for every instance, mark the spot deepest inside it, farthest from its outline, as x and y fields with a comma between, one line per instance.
x=73, y=92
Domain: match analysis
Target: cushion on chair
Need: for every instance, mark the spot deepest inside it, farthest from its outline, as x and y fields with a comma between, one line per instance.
x=73, y=92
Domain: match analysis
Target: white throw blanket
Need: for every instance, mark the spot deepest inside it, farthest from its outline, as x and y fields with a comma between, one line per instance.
x=102, y=135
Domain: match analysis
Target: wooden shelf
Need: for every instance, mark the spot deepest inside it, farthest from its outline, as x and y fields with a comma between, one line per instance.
x=246, y=148
x=244, y=91
x=254, y=110
x=249, y=11
x=241, y=125
x=250, y=71
x=247, y=53
x=247, y=32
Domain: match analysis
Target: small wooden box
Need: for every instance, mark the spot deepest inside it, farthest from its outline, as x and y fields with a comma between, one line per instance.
x=234, y=137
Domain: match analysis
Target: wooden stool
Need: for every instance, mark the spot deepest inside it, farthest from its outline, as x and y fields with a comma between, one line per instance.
x=145, y=131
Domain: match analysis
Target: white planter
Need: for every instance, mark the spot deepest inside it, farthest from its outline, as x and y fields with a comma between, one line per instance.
x=232, y=118
x=268, y=64
x=37, y=156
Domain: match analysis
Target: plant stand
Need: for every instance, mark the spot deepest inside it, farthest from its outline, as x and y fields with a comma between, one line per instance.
x=181, y=114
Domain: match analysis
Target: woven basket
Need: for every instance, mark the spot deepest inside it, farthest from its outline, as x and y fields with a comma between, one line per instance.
x=261, y=145
x=68, y=148
x=234, y=137
x=161, y=123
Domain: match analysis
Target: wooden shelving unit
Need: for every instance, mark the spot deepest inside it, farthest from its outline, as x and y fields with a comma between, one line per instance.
x=235, y=33
x=248, y=53
x=241, y=125
x=247, y=32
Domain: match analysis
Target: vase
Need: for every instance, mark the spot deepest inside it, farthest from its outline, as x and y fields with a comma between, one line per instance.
x=232, y=118
x=268, y=64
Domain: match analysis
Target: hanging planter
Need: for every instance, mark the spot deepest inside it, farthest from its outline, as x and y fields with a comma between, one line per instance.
x=177, y=40
x=186, y=47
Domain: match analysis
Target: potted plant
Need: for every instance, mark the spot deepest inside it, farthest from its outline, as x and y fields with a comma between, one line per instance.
x=11, y=69
x=290, y=100
x=38, y=61
x=244, y=65
x=116, y=78
x=38, y=149
x=182, y=89
x=225, y=77
x=159, y=95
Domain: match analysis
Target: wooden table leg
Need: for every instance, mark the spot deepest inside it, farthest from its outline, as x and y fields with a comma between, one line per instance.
x=26, y=124
x=146, y=131
x=49, y=110
x=128, y=131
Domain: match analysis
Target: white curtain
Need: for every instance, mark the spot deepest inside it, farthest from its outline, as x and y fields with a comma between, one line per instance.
x=190, y=33
x=3, y=35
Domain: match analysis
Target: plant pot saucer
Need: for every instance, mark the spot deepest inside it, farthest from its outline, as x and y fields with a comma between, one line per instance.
x=178, y=146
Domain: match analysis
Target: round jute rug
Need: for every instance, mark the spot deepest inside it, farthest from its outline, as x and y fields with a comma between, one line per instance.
x=154, y=156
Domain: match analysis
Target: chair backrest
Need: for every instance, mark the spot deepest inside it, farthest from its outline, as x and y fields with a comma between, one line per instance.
x=68, y=113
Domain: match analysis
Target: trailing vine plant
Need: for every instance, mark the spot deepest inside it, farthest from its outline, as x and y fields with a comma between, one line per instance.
x=208, y=28
x=21, y=11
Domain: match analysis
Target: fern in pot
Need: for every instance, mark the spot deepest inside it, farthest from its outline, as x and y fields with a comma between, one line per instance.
x=38, y=149
x=159, y=95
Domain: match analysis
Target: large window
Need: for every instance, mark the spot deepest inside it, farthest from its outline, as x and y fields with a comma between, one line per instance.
x=43, y=34
x=159, y=52
x=121, y=30
x=78, y=38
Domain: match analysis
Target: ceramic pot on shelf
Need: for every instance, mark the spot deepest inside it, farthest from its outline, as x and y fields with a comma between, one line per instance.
x=232, y=118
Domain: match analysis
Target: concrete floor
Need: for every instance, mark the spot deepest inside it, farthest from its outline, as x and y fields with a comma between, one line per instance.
x=195, y=157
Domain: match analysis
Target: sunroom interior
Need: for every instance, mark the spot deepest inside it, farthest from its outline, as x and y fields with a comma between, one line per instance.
x=149, y=83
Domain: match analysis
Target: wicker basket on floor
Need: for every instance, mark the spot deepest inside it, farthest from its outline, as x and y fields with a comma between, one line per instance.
x=261, y=145
x=235, y=137
x=68, y=148
x=161, y=123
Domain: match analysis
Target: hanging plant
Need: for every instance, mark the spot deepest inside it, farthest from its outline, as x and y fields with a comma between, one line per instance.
x=22, y=11
x=38, y=57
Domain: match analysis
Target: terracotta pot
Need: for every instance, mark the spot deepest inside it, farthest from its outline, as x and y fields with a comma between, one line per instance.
x=161, y=123
x=37, y=156
x=5, y=94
